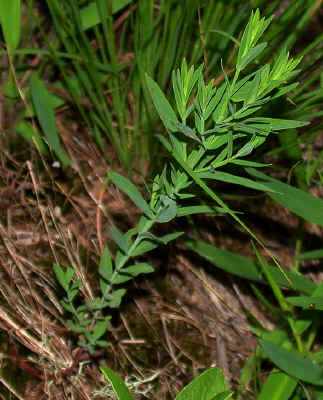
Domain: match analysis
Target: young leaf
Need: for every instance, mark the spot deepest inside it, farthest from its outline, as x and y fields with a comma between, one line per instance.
x=119, y=387
x=130, y=190
x=293, y=363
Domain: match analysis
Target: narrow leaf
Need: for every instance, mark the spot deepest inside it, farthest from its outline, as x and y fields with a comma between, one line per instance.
x=126, y=186
x=162, y=105
x=183, y=211
x=140, y=268
x=148, y=245
x=246, y=267
x=293, y=363
x=299, y=202
x=105, y=267
x=46, y=117
x=10, y=19
x=119, y=239
x=237, y=180
x=278, y=124
x=308, y=255
x=313, y=303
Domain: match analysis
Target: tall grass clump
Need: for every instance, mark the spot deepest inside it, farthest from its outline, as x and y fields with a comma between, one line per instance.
x=100, y=52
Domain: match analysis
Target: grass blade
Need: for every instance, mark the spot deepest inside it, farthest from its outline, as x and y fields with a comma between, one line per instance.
x=246, y=267
x=46, y=117
x=10, y=19
x=299, y=202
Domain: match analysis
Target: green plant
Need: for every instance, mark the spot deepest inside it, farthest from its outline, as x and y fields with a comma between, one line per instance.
x=214, y=130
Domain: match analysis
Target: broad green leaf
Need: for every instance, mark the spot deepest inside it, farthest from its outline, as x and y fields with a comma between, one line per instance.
x=237, y=180
x=105, y=267
x=278, y=386
x=246, y=267
x=299, y=202
x=119, y=387
x=127, y=187
x=314, y=303
x=10, y=19
x=119, y=239
x=46, y=117
x=293, y=363
x=162, y=105
x=204, y=387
